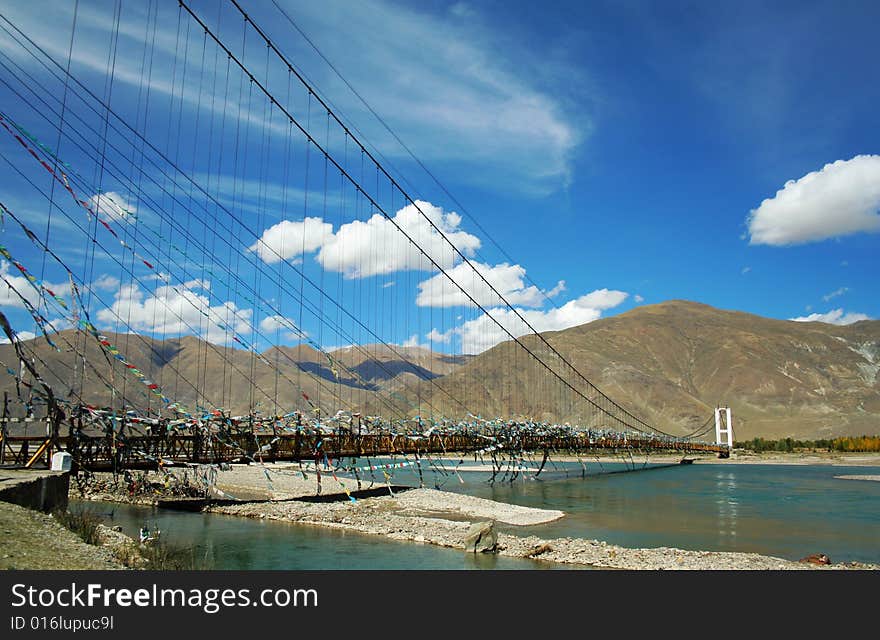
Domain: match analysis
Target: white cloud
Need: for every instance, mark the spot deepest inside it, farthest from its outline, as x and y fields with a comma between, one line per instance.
x=840, y=199
x=375, y=246
x=59, y=324
x=435, y=336
x=639, y=299
x=835, y=316
x=21, y=335
x=273, y=323
x=507, y=280
x=176, y=311
x=360, y=249
x=412, y=341
x=112, y=206
x=8, y=297
x=292, y=238
x=462, y=10
x=482, y=333
x=745, y=270
x=106, y=283
x=835, y=293
x=457, y=89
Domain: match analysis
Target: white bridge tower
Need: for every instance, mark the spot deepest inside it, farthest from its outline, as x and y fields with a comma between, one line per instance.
x=723, y=427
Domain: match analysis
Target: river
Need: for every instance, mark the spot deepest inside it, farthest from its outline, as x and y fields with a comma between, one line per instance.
x=788, y=511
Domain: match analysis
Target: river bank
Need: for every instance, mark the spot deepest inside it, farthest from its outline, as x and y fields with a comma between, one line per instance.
x=427, y=516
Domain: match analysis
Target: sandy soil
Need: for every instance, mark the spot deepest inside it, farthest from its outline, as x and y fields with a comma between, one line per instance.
x=873, y=478
x=432, y=501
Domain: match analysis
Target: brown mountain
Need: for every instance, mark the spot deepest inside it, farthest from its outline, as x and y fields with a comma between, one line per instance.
x=372, y=378
x=672, y=363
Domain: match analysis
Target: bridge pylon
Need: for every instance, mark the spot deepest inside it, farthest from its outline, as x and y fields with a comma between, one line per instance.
x=724, y=428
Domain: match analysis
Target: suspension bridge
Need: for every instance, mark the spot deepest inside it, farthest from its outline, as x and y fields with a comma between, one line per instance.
x=205, y=261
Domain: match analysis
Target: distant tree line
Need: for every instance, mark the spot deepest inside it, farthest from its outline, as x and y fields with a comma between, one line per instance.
x=847, y=443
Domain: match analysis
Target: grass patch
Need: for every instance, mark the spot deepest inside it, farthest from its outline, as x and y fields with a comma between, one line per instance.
x=159, y=555
x=164, y=556
x=83, y=522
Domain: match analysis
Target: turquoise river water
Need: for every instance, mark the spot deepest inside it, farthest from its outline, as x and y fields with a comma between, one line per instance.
x=781, y=510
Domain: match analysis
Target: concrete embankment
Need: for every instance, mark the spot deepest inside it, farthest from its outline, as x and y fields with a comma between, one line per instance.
x=35, y=489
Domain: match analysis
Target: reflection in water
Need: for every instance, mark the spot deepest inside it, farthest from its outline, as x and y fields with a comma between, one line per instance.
x=725, y=485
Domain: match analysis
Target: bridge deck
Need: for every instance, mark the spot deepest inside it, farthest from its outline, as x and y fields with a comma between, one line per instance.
x=97, y=453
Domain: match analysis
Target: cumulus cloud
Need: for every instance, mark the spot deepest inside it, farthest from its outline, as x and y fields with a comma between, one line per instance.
x=21, y=335
x=175, y=311
x=639, y=299
x=840, y=199
x=291, y=238
x=436, y=336
x=506, y=279
x=483, y=332
x=10, y=283
x=112, y=206
x=106, y=283
x=375, y=246
x=275, y=322
x=59, y=324
x=835, y=316
x=835, y=293
x=412, y=341
x=360, y=249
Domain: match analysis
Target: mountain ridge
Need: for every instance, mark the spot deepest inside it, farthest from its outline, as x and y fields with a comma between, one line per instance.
x=673, y=362
x=669, y=363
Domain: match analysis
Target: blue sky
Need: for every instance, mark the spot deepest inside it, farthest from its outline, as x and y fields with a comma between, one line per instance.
x=620, y=153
